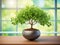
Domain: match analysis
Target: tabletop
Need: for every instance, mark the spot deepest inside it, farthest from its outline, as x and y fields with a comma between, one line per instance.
x=20, y=40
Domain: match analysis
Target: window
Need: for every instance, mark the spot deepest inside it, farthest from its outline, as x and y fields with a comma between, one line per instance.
x=8, y=9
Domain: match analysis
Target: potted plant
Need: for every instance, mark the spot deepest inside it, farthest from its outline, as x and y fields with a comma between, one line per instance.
x=31, y=15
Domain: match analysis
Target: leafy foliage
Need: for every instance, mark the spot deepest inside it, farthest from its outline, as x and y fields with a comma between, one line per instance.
x=33, y=13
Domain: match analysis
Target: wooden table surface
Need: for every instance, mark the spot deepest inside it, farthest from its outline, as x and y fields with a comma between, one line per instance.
x=19, y=40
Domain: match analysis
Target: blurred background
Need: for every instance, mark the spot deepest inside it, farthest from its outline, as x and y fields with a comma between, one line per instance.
x=9, y=8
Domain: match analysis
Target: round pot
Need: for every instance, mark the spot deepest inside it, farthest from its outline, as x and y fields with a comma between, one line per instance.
x=31, y=34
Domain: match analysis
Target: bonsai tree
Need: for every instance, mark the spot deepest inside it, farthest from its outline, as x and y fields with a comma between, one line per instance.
x=31, y=15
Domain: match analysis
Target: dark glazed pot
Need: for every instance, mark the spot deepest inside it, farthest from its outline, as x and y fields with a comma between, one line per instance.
x=31, y=34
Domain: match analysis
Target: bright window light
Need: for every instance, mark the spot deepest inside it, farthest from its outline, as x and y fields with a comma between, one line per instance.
x=41, y=3
x=10, y=3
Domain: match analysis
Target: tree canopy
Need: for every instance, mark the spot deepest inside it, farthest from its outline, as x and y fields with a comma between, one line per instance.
x=32, y=14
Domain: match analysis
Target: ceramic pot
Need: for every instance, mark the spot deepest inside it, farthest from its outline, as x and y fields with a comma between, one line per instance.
x=31, y=34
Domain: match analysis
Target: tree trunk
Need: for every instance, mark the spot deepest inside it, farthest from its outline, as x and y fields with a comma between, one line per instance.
x=31, y=26
x=31, y=23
